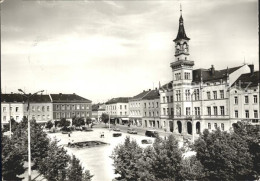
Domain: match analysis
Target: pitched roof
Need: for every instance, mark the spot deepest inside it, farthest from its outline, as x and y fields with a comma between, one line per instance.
x=95, y=107
x=248, y=80
x=118, y=100
x=167, y=85
x=38, y=98
x=139, y=96
x=207, y=74
x=153, y=94
x=71, y=98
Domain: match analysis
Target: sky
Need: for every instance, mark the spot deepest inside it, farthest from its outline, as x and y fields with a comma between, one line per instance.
x=101, y=49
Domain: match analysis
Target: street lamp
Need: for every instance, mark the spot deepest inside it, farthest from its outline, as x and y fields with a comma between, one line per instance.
x=29, y=132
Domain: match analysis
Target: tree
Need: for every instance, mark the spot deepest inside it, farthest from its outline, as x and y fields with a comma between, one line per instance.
x=165, y=160
x=76, y=121
x=76, y=171
x=64, y=122
x=125, y=158
x=39, y=141
x=88, y=121
x=54, y=165
x=49, y=124
x=224, y=156
x=251, y=134
x=105, y=118
x=14, y=124
x=192, y=169
x=12, y=160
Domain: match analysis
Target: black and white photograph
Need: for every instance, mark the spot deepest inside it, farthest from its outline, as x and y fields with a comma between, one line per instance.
x=130, y=90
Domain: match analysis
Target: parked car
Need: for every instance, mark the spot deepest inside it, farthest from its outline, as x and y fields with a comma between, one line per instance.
x=116, y=129
x=117, y=134
x=151, y=133
x=146, y=141
x=131, y=131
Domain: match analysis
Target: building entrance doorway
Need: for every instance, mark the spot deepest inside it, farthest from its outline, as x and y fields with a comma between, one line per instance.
x=179, y=126
x=189, y=127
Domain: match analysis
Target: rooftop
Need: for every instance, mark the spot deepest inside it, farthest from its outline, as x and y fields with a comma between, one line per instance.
x=118, y=100
x=248, y=80
x=71, y=98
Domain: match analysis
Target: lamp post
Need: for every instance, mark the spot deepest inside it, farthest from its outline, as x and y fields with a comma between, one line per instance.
x=109, y=121
x=29, y=132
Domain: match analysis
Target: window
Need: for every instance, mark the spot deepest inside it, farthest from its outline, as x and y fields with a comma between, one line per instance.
x=236, y=113
x=43, y=108
x=149, y=114
x=247, y=113
x=157, y=104
x=178, y=95
x=39, y=117
x=48, y=108
x=62, y=107
x=222, y=126
x=43, y=117
x=11, y=109
x=255, y=114
x=208, y=95
x=246, y=99
x=197, y=94
x=38, y=108
x=145, y=105
x=145, y=113
x=125, y=113
x=73, y=107
x=163, y=99
x=82, y=106
x=188, y=111
x=215, y=125
x=209, y=111
x=186, y=75
x=178, y=76
x=255, y=98
x=236, y=100
x=16, y=109
x=125, y=106
x=68, y=115
x=221, y=94
x=171, y=98
x=17, y=117
x=215, y=110
x=215, y=94
x=209, y=126
x=187, y=94
x=33, y=108
x=68, y=107
x=4, y=118
x=78, y=107
x=58, y=115
x=167, y=111
x=164, y=111
x=120, y=106
x=121, y=113
x=57, y=107
x=171, y=111
x=167, y=98
x=222, y=111
x=197, y=111
x=4, y=109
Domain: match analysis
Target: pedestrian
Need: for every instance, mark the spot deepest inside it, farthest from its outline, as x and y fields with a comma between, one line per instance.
x=69, y=134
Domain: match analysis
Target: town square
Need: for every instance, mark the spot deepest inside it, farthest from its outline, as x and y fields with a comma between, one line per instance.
x=150, y=90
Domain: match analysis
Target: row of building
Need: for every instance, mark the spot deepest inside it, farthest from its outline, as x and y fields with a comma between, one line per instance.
x=194, y=99
x=44, y=107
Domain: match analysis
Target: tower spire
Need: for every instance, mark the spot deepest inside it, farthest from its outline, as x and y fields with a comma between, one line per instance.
x=180, y=9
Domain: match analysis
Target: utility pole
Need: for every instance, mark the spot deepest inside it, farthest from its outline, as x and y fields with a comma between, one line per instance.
x=29, y=130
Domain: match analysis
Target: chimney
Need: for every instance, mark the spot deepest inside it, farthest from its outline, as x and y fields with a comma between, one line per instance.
x=212, y=70
x=143, y=90
x=251, y=68
x=155, y=88
x=149, y=89
x=11, y=92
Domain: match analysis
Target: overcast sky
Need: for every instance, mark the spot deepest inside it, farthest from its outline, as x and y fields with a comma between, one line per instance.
x=105, y=49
